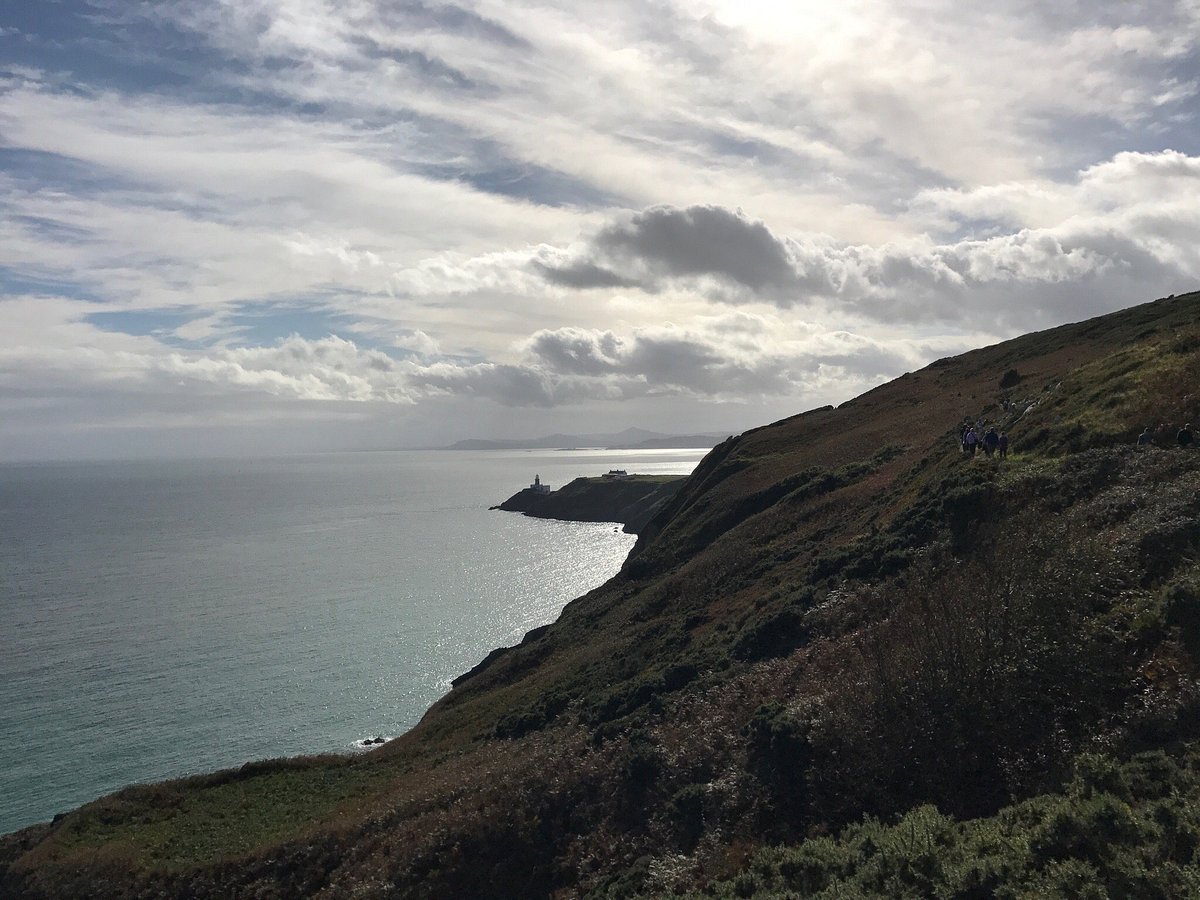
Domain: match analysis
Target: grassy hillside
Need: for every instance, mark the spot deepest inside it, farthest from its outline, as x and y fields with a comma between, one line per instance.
x=845, y=657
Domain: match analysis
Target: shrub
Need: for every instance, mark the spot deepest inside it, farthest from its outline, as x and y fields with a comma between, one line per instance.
x=686, y=811
x=814, y=864
x=779, y=755
x=640, y=768
x=1085, y=842
x=1085, y=829
x=986, y=668
x=1010, y=379
x=1183, y=612
x=535, y=718
x=776, y=635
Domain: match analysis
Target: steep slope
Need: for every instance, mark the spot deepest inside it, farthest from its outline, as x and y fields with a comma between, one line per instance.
x=837, y=615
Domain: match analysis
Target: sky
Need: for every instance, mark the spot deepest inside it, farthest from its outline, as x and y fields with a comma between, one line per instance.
x=272, y=226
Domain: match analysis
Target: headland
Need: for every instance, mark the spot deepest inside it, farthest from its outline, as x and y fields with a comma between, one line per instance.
x=631, y=500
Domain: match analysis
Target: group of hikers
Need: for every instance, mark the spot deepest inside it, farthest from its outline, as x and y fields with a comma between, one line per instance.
x=1162, y=437
x=974, y=439
x=991, y=442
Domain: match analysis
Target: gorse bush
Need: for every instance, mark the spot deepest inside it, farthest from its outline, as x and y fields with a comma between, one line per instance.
x=1130, y=831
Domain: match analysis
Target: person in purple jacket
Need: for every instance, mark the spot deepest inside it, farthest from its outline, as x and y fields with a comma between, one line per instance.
x=971, y=441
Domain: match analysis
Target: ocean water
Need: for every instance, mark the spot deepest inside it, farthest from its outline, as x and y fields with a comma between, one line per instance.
x=164, y=618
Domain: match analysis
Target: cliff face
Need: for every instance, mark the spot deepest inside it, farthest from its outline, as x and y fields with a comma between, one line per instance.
x=837, y=615
x=632, y=500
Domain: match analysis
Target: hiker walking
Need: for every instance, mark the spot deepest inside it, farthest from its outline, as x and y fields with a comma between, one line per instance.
x=971, y=441
x=1146, y=438
x=1002, y=445
x=1185, y=439
x=991, y=441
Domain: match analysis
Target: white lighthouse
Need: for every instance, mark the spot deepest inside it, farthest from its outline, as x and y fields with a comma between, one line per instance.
x=537, y=487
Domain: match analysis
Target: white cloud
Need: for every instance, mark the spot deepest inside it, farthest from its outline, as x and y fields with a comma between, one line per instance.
x=575, y=207
x=54, y=354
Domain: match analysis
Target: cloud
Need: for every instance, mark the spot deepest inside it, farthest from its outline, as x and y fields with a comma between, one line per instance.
x=327, y=369
x=1126, y=222
x=577, y=351
x=417, y=342
x=722, y=358
x=55, y=356
x=312, y=208
x=582, y=275
x=700, y=240
x=663, y=243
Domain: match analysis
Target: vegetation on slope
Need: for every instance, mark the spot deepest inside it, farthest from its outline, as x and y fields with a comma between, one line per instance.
x=837, y=616
x=1116, y=830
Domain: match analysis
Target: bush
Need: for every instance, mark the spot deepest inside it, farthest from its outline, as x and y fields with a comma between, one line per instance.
x=779, y=755
x=814, y=864
x=1183, y=612
x=776, y=635
x=640, y=768
x=1085, y=829
x=1085, y=842
x=986, y=669
x=686, y=811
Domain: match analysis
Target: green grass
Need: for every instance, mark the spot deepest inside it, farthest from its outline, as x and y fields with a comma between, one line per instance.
x=177, y=825
x=1110, y=400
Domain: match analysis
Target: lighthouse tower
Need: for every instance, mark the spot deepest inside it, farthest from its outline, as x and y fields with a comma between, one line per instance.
x=537, y=487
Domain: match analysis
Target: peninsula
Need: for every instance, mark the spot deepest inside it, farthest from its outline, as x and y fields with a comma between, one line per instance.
x=632, y=500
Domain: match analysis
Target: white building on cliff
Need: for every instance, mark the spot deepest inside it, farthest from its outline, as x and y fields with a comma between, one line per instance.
x=537, y=487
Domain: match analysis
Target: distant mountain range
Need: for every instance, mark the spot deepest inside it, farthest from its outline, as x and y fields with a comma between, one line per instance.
x=629, y=439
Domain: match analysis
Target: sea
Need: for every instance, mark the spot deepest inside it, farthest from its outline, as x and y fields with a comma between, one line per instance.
x=163, y=618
